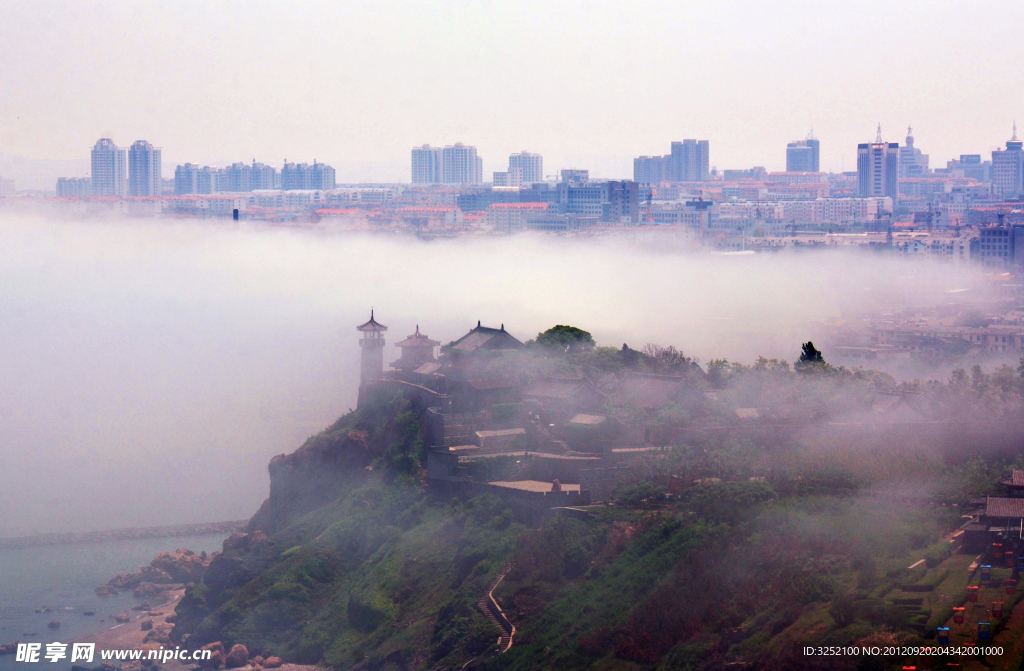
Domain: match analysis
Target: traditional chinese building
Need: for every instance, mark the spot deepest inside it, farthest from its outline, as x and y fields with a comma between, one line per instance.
x=372, y=345
x=417, y=350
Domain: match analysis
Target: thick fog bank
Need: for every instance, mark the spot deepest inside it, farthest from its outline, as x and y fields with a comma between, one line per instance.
x=150, y=369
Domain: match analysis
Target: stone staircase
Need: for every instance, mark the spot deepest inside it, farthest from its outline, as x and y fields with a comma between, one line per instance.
x=492, y=611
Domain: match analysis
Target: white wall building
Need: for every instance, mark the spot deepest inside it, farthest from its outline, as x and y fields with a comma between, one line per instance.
x=530, y=166
x=461, y=165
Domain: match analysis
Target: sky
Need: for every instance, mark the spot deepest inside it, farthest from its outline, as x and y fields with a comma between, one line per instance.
x=587, y=83
x=152, y=368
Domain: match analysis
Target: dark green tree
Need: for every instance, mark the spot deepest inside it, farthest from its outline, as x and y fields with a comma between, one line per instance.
x=810, y=358
x=566, y=339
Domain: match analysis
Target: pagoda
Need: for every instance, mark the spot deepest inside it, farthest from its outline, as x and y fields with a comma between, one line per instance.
x=417, y=350
x=372, y=344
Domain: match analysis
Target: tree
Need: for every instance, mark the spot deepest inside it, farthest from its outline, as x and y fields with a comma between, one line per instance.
x=810, y=358
x=566, y=339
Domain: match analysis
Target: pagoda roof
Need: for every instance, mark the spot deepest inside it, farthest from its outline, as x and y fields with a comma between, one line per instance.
x=418, y=340
x=485, y=338
x=372, y=325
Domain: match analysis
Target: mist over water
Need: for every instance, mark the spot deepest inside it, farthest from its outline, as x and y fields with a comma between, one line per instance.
x=149, y=369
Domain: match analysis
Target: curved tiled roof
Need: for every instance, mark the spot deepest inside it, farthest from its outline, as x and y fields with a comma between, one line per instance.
x=372, y=325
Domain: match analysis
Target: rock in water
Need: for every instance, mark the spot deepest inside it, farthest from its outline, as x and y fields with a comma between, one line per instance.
x=54, y=624
x=106, y=590
x=239, y=656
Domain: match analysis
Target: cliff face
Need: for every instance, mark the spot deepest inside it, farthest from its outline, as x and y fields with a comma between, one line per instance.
x=319, y=472
x=347, y=564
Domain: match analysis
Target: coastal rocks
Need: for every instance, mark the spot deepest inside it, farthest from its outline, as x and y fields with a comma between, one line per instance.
x=122, y=618
x=145, y=589
x=104, y=591
x=53, y=624
x=146, y=624
x=216, y=656
x=159, y=634
x=9, y=648
x=239, y=656
x=272, y=663
x=181, y=565
x=167, y=568
x=257, y=661
x=44, y=609
x=171, y=618
x=155, y=575
x=88, y=613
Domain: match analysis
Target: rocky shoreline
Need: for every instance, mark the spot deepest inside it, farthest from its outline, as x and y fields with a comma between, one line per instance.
x=178, y=530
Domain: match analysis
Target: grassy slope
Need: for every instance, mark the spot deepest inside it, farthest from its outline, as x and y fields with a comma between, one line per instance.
x=376, y=577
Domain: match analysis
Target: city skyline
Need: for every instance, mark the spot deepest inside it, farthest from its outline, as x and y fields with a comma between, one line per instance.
x=400, y=92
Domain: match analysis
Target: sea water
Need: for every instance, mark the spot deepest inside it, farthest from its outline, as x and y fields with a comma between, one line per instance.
x=64, y=578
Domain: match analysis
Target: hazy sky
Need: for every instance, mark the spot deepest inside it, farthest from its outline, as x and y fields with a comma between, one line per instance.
x=357, y=84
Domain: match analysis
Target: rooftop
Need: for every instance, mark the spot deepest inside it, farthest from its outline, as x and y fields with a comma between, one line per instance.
x=485, y=337
x=535, y=486
x=1016, y=479
x=372, y=326
x=999, y=507
x=418, y=340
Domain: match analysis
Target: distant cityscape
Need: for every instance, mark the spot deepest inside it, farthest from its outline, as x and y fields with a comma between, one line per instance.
x=972, y=210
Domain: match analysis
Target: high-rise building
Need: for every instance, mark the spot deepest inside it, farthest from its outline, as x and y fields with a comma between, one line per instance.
x=913, y=163
x=109, y=169
x=74, y=187
x=144, y=170
x=689, y=161
x=649, y=169
x=571, y=175
x=264, y=176
x=1008, y=168
x=530, y=165
x=454, y=164
x=461, y=165
x=318, y=176
x=878, y=168
x=426, y=165
x=804, y=155
x=186, y=179
x=237, y=178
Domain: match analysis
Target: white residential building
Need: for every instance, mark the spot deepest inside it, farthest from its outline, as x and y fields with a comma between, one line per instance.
x=109, y=169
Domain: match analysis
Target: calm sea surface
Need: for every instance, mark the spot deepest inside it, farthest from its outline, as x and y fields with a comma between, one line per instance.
x=64, y=578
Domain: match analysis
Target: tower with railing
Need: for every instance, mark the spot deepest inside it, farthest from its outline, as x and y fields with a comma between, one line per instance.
x=372, y=346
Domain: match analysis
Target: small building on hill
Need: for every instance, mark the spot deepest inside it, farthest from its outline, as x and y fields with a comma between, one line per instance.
x=417, y=350
x=483, y=339
x=1014, y=485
